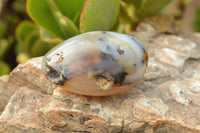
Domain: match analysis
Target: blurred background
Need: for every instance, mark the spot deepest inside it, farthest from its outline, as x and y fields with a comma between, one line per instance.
x=21, y=38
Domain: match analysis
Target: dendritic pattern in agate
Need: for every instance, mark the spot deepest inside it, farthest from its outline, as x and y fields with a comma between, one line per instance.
x=96, y=63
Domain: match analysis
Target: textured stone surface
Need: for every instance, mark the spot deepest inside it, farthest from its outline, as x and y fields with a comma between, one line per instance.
x=167, y=101
x=25, y=75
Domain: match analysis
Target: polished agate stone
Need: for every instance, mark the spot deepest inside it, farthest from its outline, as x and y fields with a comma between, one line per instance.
x=96, y=63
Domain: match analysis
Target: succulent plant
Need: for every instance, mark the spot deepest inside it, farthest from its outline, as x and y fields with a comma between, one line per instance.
x=64, y=19
x=29, y=42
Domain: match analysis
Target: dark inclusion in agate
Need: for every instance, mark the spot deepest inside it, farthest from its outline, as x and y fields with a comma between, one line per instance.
x=96, y=63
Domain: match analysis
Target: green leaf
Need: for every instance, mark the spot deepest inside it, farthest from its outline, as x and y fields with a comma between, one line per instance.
x=196, y=25
x=30, y=39
x=46, y=14
x=128, y=1
x=137, y=3
x=2, y=29
x=4, y=45
x=19, y=48
x=70, y=8
x=148, y=8
x=99, y=15
x=23, y=29
x=52, y=43
x=126, y=13
x=77, y=19
x=40, y=47
x=44, y=35
x=4, y=68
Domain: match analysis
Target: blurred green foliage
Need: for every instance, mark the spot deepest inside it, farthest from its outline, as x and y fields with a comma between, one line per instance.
x=5, y=45
x=196, y=25
x=29, y=43
x=2, y=29
x=4, y=68
x=7, y=38
x=19, y=6
x=134, y=11
x=57, y=20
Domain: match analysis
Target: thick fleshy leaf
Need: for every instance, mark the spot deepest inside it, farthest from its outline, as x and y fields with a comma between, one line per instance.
x=148, y=8
x=44, y=35
x=46, y=14
x=30, y=39
x=99, y=15
x=4, y=68
x=23, y=29
x=77, y=18
x=40, y=47
x=137, y=3
x=19, y=48
x=70, y=8
x=126, y=13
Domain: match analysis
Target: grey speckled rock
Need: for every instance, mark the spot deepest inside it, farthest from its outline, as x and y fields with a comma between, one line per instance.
x=167, y=101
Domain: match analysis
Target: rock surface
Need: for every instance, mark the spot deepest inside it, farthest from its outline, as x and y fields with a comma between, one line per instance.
x=167, y=101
